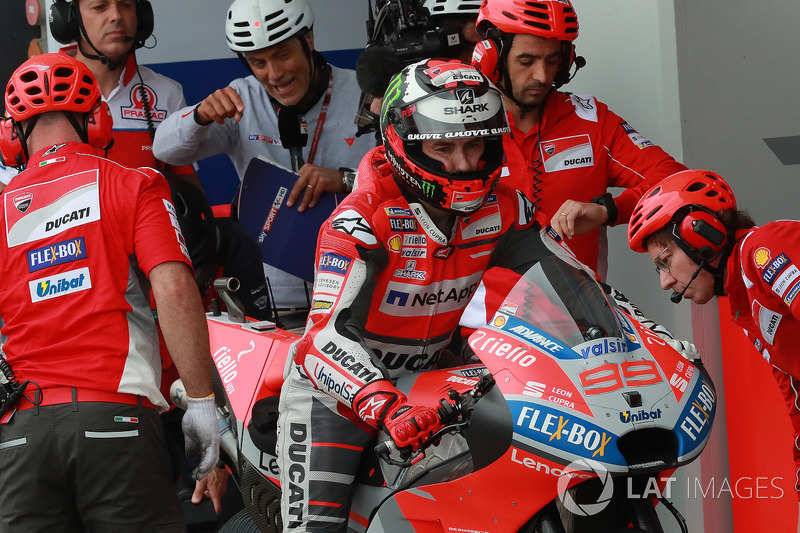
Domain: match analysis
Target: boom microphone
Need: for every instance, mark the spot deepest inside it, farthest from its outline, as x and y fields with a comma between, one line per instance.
x=293, y=136
x=676, y=297
x=375, y=68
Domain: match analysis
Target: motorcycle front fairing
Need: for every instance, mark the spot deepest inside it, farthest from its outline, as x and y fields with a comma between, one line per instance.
x=577, y=383
x=584, y=380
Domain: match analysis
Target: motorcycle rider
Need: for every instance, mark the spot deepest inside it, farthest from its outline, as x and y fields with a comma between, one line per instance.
x=703, y=245
x=85, y=241
x=397, y=262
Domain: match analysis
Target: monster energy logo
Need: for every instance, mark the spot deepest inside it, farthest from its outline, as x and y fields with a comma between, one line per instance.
x=392, y=94
x=427, y=189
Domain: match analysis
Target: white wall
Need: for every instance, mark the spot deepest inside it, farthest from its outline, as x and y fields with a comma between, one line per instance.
x=189, y=30
x=630, y=50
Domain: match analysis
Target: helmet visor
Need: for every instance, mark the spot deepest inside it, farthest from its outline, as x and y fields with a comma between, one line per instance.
x=460, y=113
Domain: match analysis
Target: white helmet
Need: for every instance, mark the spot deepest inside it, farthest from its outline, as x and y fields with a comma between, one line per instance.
x=452, y=7
x=256, y=24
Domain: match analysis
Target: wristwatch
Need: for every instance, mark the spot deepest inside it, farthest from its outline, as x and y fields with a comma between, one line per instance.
x=607, y=201
x=348, y=177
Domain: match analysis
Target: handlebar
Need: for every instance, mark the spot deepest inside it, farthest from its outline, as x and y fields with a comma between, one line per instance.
x=454, y=415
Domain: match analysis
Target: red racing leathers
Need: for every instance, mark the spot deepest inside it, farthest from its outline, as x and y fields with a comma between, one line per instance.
x=584, y=150
x=763, y=282
x=389, y=291
x=390, y=287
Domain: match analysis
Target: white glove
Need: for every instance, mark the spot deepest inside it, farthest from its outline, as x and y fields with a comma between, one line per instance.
x=201, y=434
x=685, y=348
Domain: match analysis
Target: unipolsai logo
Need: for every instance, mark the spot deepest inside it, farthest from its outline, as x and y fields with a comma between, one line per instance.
x=585, y=508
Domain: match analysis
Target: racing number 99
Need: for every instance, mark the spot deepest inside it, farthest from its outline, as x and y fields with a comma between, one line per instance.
x=612, y=376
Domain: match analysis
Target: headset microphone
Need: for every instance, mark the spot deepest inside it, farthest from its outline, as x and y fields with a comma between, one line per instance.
x=127, y=39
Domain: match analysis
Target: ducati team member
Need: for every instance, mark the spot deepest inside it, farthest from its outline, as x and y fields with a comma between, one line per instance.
x=704, y=246
x=565, y=150
x=104, y=36
x=275, y=40
x=85, y=240
x=396, y=264
x=425, y=220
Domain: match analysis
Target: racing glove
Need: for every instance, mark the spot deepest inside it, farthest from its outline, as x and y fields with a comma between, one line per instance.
x=632, y=309
x=685, y=348
x=201, y=433
x=380, y=404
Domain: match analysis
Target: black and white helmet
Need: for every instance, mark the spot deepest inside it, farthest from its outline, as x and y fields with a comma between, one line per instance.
x=256, y=24
x=443, y=99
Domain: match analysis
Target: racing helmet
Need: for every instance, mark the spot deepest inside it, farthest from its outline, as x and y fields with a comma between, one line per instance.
x=443, y=99
x=52, y=82
x=256, y=24
x=452, y=7
x=551, y=19
x=686, y=203
x=499, y=20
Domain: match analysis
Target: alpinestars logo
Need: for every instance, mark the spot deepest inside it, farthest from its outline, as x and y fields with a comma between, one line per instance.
x=372, y=409
x=54, y=149
x=352, y=223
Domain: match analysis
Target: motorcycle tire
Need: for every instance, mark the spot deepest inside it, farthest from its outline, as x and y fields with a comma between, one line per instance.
x=240, y=523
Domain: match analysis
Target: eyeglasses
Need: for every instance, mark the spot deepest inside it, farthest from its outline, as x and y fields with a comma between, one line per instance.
x=661, y=265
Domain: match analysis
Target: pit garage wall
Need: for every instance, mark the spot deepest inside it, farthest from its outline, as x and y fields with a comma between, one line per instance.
x=709, y=82
x=738, y=79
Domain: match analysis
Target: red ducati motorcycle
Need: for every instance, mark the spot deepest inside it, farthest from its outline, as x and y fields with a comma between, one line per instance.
x=571, y=409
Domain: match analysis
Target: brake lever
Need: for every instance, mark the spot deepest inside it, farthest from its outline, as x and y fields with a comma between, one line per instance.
x=385, y=448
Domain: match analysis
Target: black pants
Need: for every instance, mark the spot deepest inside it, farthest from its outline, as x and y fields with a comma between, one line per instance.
x=86, y=466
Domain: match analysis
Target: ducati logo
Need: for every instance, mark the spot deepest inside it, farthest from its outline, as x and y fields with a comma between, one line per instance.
x=23, y=201
x=549, y=148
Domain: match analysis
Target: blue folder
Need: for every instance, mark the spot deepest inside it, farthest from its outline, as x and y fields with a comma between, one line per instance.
x=287, y=239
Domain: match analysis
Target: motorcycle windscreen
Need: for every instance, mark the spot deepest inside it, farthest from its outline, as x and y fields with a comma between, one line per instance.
x=563, y=300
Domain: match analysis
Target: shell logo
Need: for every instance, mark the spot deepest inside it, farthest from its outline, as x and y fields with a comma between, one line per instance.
x=499, y=321
x=761, y=257
x=395, y=243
